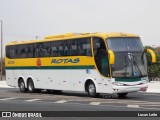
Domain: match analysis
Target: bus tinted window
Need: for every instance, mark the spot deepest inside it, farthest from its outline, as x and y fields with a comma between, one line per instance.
x=20, y=51
x=11, y=51
x=30, y=50
x=46, y=50
x=75, y=47
x=8, y=52
x=125, y=44
x=84, y=47
x=57, y=48
x=42, y=49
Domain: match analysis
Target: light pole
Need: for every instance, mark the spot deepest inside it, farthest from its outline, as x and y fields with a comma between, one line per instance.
x=1, y=48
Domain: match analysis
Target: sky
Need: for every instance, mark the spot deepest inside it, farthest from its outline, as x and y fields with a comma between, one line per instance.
x=26, y=19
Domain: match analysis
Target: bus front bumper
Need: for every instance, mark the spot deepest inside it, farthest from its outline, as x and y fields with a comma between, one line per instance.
x=128, y=89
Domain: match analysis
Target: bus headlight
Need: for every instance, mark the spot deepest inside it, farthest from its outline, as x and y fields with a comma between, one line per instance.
x=145, y=82
x=117, y=83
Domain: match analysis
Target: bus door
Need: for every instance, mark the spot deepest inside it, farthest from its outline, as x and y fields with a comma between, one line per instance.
x=102, y=63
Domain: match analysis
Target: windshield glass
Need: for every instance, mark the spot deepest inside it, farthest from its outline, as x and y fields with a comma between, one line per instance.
x=125, y=44
x=130, y=60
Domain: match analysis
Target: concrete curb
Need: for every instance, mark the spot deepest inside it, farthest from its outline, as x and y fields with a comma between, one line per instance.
x=153, y=87
x=3, y=84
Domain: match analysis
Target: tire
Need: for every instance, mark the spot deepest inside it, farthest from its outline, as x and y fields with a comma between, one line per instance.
x=22, y=87
x=92, y=90
x=122, y=95
x=30, y=86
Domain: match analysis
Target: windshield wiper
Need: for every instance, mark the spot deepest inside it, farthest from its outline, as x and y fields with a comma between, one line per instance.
x=143, y=55
x=126, y=67
x=135, y=63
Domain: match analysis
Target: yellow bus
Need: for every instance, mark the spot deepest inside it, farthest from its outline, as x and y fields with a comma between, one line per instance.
x=88, y=62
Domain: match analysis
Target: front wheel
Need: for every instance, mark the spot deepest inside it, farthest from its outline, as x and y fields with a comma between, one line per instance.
x=92, y=90
x=30, y=86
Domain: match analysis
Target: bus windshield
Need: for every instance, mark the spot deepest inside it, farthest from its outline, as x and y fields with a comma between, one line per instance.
x=130, y=60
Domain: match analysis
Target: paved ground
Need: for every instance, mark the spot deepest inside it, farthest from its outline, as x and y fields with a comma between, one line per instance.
x=134, y=101
x=13, y=100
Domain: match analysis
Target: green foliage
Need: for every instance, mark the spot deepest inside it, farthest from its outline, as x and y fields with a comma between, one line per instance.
x=153, y=68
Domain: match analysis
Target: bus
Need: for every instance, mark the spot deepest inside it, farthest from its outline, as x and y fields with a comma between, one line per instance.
x=96, y=63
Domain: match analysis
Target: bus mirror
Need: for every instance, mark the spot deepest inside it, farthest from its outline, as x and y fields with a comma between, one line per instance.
x=111, y=57
x=153, y=56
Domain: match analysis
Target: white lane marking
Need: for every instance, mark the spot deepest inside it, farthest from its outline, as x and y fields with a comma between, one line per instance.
x=152, y=94
x=150, y=108
x=133, y=106
x=32, y=100
x=95, y=103
x=7, y=98
x=151, y=105
x=61, y=101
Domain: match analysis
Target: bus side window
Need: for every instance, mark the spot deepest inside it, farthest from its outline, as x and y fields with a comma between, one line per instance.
x=56, y=49
x=46, y=49
x=12, y=51
x=8, y=52
x=23, y=53
x=30, y=50
x=66, y=48
x=70, y=48
x=36, y=50
x=84, y=47
x=20, y=51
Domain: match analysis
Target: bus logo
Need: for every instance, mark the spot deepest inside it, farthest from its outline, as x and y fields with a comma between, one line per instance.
x=38, y=62
x=58, y=61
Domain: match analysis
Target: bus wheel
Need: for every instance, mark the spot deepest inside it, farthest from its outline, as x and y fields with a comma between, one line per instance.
x=121, y=95
x=30, y=86
x=92, y=90
x=22, y=87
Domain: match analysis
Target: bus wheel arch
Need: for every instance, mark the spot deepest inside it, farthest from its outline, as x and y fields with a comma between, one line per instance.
x=90, y=88
x=21, y=85
x=30, y=85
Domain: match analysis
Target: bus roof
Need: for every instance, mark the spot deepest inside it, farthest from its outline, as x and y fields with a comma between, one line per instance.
x=73, y=36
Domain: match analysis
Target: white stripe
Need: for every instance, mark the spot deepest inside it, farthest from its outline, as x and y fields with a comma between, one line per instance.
x=61, y=101
x=150, y=105
x=7, y=98
x=31, y=100
x=133, y=106
x=95, y=103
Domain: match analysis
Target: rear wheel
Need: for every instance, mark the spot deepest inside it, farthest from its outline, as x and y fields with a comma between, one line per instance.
x=92, y=90
x=30, y=86
x=22, y=87
x=122, y=94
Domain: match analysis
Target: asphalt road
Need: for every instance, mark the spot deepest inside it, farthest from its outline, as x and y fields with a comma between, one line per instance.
x=13, y=100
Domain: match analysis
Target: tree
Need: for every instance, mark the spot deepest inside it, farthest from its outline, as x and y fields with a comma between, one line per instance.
x=153, y=68
x=3, y=67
